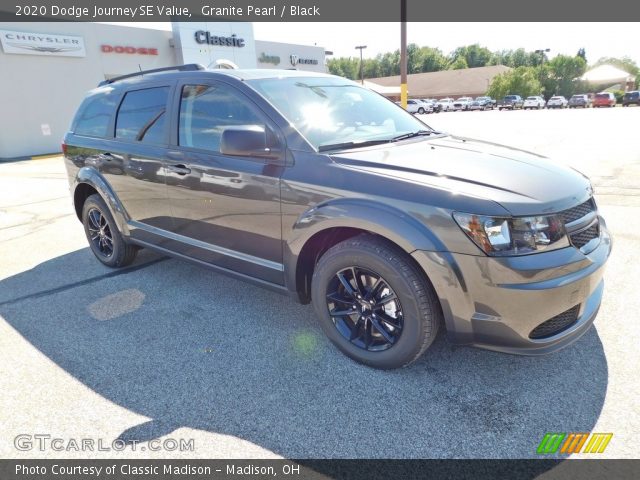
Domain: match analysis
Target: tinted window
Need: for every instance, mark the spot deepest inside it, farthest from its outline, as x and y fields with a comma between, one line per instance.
x=206, y=110
x=94, y=116
x=141, y=115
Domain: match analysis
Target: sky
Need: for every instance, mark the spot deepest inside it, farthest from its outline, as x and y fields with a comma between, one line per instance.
x=598, y=39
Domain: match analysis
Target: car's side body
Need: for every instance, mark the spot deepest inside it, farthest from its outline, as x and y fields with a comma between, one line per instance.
x=269, y=219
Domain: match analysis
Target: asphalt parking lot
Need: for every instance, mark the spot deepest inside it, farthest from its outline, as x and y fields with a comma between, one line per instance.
x=165, y=349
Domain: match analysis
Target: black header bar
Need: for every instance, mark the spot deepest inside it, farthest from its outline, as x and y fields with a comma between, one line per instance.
x=316, y=11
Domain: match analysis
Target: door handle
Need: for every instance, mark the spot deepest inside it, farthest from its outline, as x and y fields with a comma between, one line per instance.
x=179, y=169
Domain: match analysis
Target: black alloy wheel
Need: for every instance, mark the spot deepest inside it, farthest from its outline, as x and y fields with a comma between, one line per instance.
x=105, y=240
x=365, y=309
x=100, y=232
x=374, y=302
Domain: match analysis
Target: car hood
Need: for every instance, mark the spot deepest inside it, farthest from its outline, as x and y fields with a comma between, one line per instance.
x=524, y=183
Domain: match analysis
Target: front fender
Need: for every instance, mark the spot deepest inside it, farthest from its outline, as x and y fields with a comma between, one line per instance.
x=92, y=177
x=391, y=223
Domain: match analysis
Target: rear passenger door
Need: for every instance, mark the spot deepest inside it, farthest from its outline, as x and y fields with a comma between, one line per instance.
x=141, y=133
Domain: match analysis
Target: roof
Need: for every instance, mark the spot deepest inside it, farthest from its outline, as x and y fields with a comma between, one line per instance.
x=446, y=83
x=382, y=89
x=607, y=74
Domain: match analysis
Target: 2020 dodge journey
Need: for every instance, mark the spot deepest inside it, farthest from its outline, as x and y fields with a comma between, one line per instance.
x=312, y=185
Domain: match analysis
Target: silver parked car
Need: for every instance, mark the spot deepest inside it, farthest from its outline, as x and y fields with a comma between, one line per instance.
x=557, y=101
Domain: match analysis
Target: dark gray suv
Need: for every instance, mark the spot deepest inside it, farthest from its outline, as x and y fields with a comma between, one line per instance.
x=312, y=185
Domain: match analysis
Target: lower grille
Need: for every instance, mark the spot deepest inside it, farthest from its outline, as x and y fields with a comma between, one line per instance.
x=580, y=239
x=556, y=324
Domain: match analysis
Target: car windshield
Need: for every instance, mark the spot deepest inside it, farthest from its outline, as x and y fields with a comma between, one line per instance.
x=328, y=111
x=532, y=98
x=556, y=98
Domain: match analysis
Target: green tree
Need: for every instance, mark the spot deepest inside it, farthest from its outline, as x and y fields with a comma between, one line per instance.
x=473, y=55
x=433, y=60
x=521, y=81
x=561, y=75
x=582, y=54
x=458, y=64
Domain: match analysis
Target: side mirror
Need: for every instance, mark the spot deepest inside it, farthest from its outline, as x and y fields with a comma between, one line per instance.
x=248, y=141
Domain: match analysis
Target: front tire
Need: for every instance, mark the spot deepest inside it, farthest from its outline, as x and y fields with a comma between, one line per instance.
x=374, y=304
x=106, y=242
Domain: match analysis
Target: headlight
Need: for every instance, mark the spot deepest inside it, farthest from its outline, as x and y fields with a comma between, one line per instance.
x=500, y=236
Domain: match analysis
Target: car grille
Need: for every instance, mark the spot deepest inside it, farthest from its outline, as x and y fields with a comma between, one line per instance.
x=556, y=324
x=580, y=239
x=577, y=212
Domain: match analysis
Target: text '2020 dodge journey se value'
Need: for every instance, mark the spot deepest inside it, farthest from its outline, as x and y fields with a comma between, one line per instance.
x=313, y=185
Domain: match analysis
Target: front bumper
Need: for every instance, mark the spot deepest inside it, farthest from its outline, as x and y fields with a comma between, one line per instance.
x=496, y=302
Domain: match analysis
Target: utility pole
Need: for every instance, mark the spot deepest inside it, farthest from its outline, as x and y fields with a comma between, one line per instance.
x=361, y=47
x=403, y=53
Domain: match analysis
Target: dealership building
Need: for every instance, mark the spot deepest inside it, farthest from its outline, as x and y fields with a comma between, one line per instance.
x=47, y=68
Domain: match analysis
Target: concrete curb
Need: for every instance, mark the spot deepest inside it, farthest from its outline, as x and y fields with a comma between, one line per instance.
x=45, y=156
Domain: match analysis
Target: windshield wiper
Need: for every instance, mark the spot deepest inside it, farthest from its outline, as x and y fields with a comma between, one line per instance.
x=413, y=134
x=345, y=145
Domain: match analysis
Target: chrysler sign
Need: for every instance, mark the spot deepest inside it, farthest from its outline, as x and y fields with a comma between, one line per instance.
x=29, y=43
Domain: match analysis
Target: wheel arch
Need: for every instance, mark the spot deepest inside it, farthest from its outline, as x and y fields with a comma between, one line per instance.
x=89, y=181
x=324, y=226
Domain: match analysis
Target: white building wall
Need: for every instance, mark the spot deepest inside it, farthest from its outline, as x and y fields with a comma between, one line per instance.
x=39, y=94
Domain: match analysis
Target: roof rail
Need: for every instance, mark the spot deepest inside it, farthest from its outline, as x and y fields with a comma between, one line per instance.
x=190, y=67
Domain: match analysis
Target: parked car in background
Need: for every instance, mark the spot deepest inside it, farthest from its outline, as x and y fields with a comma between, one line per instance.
x=476, y=106
x=580, y=100
x=532, y=102
x=446, y=104
x=510, y=102
x=433, y=103
x=414, y=106
x=487, y=103
x=631, y=98
x=462, y=103
x=604, y=99
x=557, y=101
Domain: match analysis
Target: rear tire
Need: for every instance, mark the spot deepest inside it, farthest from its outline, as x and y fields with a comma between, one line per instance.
x=106, y=242
x=389, y=312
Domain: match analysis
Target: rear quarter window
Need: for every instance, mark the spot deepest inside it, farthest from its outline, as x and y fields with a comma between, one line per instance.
x=94, y=115
x=141, y=115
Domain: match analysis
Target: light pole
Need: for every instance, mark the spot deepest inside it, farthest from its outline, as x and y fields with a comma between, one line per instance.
x=541, y=52
x=361, y=47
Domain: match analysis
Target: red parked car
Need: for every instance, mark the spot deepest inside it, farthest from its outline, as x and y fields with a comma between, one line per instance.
x=604, y=99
